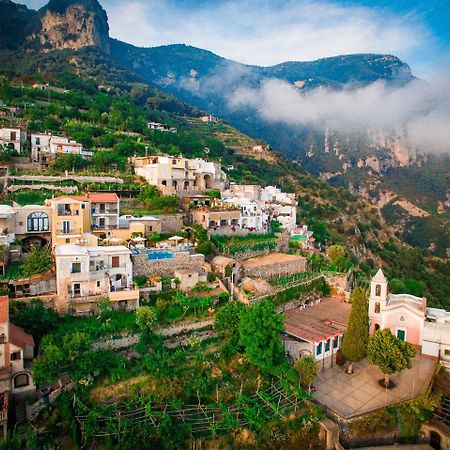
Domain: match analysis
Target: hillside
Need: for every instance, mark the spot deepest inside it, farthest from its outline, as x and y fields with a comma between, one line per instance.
x=107, y=108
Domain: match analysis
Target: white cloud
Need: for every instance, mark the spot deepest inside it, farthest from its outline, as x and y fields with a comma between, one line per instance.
x=420, y=109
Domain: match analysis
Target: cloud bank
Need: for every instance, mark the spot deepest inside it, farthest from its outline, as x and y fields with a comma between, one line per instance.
x=420, y=109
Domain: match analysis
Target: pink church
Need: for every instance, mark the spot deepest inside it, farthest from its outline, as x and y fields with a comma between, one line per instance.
x=409, y=318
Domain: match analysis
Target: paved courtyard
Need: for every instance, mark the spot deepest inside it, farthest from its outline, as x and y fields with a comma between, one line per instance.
x=360, y=393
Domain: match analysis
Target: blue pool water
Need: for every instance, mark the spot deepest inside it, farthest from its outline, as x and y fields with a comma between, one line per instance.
x=160, y=254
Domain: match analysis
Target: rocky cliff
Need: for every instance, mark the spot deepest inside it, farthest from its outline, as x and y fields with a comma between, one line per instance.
x=61, y=24
x=73, y=24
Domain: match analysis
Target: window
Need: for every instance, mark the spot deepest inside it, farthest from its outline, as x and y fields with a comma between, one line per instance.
x=377, y=308
x=83, y=206
x=98, y=283
x=115, y=261
x=20, y=224
x=378, y=290
x=76, y=267
x=67, y=241
x=13, y=136
x=336, y=342
x=15, y=356
x=76, y=289
x=401, y=334
x=327, y=345
x=319, y=349
x=377, y=327
x=21, y=380
x=38, y=141
x=37, y=221
x=447, y=352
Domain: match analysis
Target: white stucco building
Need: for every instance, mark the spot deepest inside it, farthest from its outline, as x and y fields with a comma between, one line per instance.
x=13, y=137
x=86, y=274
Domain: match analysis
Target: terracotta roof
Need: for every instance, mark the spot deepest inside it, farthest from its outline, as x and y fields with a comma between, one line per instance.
x=81, y=198
x=4, y=309
x=318, y=322
x=106, y=197
x=19, y=337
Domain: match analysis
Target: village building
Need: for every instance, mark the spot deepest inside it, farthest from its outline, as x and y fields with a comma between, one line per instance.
x=409, y=318
x=218, y=214
x=188, y=278
x=316, y=330
x=253, y=217
x=226, y=267
x=105, y=210
x=46, y=147
x=16, y=352
x=30, y=223
x=143, y=225
x=181, y=176
x=13, y=138
x=156, y=126
x=275, y=204
x=71, y=220
x=85, y=274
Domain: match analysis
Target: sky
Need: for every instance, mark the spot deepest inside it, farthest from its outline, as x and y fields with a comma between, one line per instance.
x=267, y=32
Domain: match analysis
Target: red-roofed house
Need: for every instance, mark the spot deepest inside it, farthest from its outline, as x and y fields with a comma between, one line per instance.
x=316, y=329
x=104, y=210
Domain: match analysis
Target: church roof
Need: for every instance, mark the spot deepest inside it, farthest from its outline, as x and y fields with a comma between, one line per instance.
x=379, y=276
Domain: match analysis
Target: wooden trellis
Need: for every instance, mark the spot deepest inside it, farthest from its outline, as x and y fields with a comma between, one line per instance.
x=200, y=418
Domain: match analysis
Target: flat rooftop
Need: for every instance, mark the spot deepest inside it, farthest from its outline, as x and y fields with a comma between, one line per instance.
x=272, y=258
x=319, y=321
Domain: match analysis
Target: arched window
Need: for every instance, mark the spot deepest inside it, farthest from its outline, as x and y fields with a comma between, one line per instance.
x=378, y=290
x=377, y=308
x=21, y=380
x=377, y=327
x=37, y=221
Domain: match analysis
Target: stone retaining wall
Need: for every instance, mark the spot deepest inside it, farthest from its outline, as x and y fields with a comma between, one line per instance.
x=166, y=267
x=171, y=223
x=268, y=271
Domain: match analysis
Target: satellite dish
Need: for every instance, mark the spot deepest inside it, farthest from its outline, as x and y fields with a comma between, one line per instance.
x=206, y=150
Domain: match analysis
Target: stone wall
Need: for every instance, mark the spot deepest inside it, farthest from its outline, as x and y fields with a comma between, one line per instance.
x=171, y=223
x=271, y=270
x=166, y=267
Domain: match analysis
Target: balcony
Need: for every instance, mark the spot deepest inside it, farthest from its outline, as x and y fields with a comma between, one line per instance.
x=70, y=231
x=65, y=212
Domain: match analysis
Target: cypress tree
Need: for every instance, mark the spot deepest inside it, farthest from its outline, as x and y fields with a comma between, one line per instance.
x=356, y=337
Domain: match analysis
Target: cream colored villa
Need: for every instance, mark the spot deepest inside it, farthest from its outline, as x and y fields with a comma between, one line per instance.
x=181, y=176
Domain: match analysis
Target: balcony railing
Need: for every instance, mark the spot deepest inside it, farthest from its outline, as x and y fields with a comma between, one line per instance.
x=65, y=212
x=70, y=231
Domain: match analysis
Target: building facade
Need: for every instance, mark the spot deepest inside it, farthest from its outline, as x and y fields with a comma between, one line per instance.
x=409, y=318
x=14, y=138
x=85, y=274
x=180, y=176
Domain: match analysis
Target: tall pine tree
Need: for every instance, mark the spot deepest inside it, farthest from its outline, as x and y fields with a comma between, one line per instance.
x=354, y=346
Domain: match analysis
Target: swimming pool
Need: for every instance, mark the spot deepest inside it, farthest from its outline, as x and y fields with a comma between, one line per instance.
x=160, y=254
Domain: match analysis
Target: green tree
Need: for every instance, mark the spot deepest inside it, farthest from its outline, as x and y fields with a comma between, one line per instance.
x=40, y=260
x=307, y=369
x=354, y=346
x=259, y=333
x=146, y=318
x=389, y=353
x=34, y=317
x=227, y=322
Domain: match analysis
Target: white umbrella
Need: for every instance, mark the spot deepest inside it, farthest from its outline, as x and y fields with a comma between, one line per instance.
x=138, y=239
x=115, y=240
x=176, y=238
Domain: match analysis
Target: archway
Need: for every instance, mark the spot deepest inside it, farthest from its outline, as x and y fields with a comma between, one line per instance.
x=32, y=242
x=208, y=181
